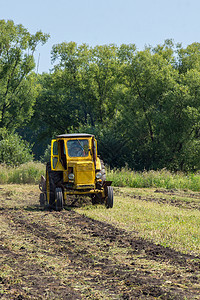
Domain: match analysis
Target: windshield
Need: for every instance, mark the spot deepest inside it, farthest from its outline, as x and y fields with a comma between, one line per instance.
x=78, y=148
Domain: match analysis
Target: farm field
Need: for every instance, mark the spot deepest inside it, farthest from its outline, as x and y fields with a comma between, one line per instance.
x=146, y=247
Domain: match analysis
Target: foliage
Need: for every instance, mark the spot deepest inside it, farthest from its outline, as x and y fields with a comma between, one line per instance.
x=143, y=106
x=13, y=150
x=47, y=155
x=17, y=84
x=26, y=173
x=162, y=114
x=82, y=87
x=157, y=179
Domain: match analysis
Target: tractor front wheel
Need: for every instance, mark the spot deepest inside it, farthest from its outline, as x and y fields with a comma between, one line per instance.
x=59, y=199
x=109, y=198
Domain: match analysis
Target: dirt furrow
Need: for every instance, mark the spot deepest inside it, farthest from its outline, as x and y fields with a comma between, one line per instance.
x=102, y=272
x=123, y=238
x=34, y=279
x=171, y=201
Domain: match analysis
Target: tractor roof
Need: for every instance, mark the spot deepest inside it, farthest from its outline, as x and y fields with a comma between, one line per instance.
x=74, y=135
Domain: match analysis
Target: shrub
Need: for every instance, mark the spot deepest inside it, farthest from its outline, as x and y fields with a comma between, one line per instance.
x=13, y=150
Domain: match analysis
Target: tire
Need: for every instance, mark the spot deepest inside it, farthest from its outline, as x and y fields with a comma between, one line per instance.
x=103, y=175
x=55, y=175
x=59, y=199
x=109, y=198
x=52, y=178
x=42, y=199
x=50, y=186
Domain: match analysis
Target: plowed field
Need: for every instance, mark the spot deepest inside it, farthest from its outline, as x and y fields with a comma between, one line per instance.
x=67, y=255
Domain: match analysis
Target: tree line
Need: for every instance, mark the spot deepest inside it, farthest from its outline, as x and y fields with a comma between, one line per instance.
x=143, y=106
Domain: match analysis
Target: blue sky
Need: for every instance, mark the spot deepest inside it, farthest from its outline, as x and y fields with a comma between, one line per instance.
x=141, y=22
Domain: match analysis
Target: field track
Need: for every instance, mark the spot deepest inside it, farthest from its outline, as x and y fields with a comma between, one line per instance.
x=66, y=255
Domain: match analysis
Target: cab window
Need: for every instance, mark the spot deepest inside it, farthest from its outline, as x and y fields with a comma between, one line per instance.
x=78, y=148
x=55, y=148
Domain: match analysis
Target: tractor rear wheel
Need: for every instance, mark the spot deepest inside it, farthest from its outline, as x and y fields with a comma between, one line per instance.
x=50, y=186
x=109, y=198
x=59, y=199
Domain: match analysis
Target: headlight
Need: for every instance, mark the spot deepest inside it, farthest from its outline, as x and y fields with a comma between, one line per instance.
x=98, y=175
x=71, y=176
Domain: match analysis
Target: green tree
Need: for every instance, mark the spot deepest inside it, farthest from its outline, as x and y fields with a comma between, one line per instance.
x=160, y=112
x=188, y=58
x=81, y=91
x=142, y=105
x=17, y=83
x=90, y=75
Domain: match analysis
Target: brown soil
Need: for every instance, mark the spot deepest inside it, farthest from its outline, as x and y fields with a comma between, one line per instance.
x=65, y=255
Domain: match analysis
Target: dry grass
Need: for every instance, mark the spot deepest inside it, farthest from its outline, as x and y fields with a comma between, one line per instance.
x=152, y=216
x=64, y=255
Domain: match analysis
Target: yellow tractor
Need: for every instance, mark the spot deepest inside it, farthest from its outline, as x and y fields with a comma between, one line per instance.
x=74, y=169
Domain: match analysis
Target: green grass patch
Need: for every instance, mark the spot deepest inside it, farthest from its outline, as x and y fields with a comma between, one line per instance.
x=31, y=172
x=158, y=179
x=162, y=223
x=27, y=173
